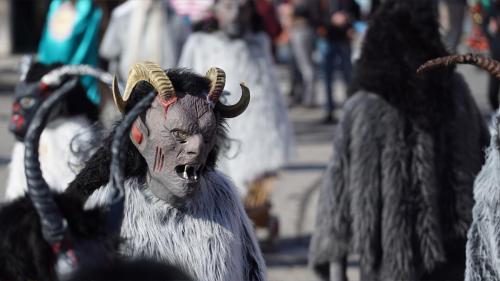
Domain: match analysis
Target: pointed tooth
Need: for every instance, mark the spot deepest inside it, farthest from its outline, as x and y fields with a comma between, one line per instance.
x=185, y=175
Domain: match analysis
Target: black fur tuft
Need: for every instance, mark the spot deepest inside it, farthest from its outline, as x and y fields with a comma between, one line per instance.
x=402, y=36
x=24, y=254
x=137, y=270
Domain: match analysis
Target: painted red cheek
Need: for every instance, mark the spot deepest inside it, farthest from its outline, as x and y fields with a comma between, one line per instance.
x=136, y=134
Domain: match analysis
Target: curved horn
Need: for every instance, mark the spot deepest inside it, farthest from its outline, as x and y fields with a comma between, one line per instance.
x=52, y=222
x=217, y=77
x=231, y=111
x=488, y=64
x=55, y=76
x=117, y=96
x=118, y=158
x=149, y=72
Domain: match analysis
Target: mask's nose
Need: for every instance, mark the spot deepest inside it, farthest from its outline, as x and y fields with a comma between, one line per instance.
x=194, y=146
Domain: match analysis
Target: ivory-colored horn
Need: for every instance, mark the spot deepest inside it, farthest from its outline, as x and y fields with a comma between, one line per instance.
x=231, y=111
x=217, y=77
x=148, y=72
x=488, y=64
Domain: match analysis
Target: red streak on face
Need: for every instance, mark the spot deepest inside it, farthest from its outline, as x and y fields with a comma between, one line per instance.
x=167, y=102
x=159, y=159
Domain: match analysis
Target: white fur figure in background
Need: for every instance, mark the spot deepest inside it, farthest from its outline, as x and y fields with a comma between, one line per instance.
x=261, y=138
x=483, y=249
x=60, y=144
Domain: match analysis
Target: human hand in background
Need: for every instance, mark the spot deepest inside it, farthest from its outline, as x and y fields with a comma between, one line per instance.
x=493, y=26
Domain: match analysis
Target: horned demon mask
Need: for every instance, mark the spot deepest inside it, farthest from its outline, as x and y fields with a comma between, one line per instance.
x=176, y=135
x=29, y=95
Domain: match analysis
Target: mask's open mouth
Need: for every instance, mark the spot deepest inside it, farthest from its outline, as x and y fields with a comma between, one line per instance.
x=188, y=172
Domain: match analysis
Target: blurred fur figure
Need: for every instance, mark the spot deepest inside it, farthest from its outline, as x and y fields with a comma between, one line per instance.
x=398, y=190
x=178, y=208
x=65, y=142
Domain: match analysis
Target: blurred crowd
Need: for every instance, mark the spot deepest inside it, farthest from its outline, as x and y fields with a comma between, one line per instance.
x=315, y=39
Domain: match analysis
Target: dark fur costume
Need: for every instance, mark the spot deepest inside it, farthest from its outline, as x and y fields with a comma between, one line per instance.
x=398, y=190
x=76, y=103
x=24, y=254
x=96, y=171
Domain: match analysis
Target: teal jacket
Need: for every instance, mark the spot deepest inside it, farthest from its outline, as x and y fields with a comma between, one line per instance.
x=71, y=36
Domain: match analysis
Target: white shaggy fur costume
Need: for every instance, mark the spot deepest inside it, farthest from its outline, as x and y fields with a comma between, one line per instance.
x=59, y=162
x=483, y=249
x=249, y=60
x=204, y=238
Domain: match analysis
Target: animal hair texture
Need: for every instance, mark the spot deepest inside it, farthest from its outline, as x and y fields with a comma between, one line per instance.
x=391, y=194
x=210, y=238
x=483, y=248
x=61, y=155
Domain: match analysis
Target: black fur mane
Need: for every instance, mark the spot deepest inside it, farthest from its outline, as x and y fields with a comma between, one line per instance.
x=402, y=36
x=24, y=254
x=96, y=171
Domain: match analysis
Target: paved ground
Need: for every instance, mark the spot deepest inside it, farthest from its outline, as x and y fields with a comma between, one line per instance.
x=294, y=197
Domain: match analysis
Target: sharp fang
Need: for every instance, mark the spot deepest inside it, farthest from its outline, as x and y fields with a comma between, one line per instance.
x=185, y=175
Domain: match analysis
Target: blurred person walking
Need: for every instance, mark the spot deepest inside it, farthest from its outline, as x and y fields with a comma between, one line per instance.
x=336, y=34
x=456, y=14
x=302, y=41
x=71, y=36
x=143, y=30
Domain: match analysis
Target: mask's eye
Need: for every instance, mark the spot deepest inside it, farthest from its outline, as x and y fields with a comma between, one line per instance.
x=180, y=136
x=27, y=102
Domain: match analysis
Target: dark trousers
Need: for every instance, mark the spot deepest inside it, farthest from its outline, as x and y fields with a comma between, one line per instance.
x=335, y=54
x=456, y=12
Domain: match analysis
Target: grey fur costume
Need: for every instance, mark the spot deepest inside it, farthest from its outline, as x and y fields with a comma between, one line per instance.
x=398, y=190
x=382, y=194
x=483, y=261
x=210, y=238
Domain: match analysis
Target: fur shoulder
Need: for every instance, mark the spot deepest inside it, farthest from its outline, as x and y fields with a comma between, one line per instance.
x=365, y=106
